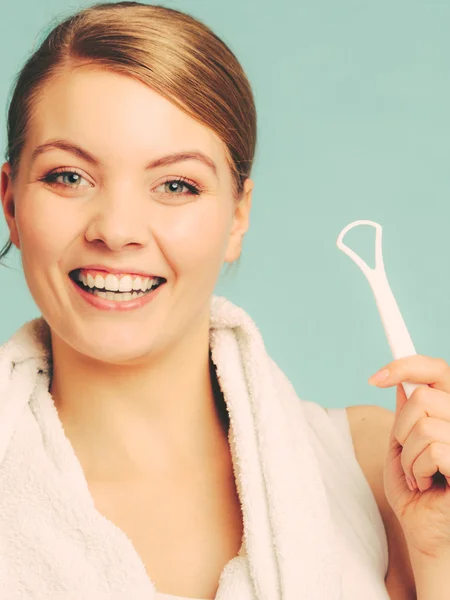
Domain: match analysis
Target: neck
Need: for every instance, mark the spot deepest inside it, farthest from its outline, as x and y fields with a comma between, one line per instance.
x=126, y=421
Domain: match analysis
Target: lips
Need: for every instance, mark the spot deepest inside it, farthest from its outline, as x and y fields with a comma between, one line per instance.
x=104, y=271
x=104, y=299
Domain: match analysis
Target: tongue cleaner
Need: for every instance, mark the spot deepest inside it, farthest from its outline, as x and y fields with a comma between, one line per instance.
x=394, y=325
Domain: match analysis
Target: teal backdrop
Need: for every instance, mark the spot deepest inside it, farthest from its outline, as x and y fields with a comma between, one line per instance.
x=353, y=99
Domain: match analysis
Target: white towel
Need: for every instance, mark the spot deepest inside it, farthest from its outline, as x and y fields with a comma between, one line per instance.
x=55, y=545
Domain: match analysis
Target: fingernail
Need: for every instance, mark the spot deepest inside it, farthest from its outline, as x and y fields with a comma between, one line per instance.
x=379, y=377
x=409, y=483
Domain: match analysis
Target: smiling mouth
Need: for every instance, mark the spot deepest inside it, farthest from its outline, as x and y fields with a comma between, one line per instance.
x=100, y=287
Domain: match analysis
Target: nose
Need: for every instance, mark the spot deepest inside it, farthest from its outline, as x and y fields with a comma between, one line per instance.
x=119, y=221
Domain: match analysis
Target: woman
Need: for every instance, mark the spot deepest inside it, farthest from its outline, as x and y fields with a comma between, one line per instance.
x=149, y=445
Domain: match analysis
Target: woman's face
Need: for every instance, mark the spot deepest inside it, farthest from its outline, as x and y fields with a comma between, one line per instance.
x=119, y=209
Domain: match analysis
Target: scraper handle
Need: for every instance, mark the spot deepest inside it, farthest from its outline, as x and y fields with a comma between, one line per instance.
x=394, y=326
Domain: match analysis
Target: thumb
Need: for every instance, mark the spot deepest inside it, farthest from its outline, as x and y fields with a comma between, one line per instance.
x=396, y=488
x=400, y=401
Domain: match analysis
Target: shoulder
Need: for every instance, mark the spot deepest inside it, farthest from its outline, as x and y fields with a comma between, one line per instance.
x=370, y=427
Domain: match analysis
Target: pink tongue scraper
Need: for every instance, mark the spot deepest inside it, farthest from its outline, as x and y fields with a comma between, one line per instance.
x=394, y=325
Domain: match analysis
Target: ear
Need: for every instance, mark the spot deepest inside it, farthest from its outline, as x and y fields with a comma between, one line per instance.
x=241, y=222
x=7, y=196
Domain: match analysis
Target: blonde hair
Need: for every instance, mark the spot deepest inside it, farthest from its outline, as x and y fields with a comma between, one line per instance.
x=173, y=53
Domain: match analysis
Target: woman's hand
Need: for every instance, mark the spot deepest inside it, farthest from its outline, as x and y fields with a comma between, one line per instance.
x=419, y=446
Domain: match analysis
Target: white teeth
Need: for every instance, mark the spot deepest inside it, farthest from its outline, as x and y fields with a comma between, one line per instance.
x=126, y=284
x=111, y=283
x=101, y=294
x=126, y=296
x=99, y=282
x=110, y=295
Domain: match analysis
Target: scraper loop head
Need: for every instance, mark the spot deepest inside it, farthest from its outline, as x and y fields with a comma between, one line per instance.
x=379, y=264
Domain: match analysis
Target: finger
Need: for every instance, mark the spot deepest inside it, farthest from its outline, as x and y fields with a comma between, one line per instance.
x=436, y=457
x=424, y=402
x=418, y=369
x=426, y=431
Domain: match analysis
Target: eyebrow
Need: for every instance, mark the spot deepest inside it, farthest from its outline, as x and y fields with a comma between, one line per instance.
x=162, y=161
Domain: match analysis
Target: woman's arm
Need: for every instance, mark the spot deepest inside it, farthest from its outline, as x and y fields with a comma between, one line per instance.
x=432, y=578
x=370, y=427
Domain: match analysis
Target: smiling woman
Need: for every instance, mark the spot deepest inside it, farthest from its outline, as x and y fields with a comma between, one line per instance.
x=149, y=445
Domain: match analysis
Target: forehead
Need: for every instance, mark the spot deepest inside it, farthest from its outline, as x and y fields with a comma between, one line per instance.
x=117, y=116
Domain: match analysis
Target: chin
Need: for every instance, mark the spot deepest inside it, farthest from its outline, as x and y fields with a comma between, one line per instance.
x=117, y=355
x=116, y=347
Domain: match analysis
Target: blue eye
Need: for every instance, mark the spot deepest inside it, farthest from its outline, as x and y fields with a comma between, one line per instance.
x=51, y=178
x=175, y=185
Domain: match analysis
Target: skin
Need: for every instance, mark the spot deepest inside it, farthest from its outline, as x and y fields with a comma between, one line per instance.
x=120, y=215
x=419, y=447
x=400, y=453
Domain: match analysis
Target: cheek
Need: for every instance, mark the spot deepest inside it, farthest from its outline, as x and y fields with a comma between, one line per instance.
x=197, y=238
x=43, y=230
